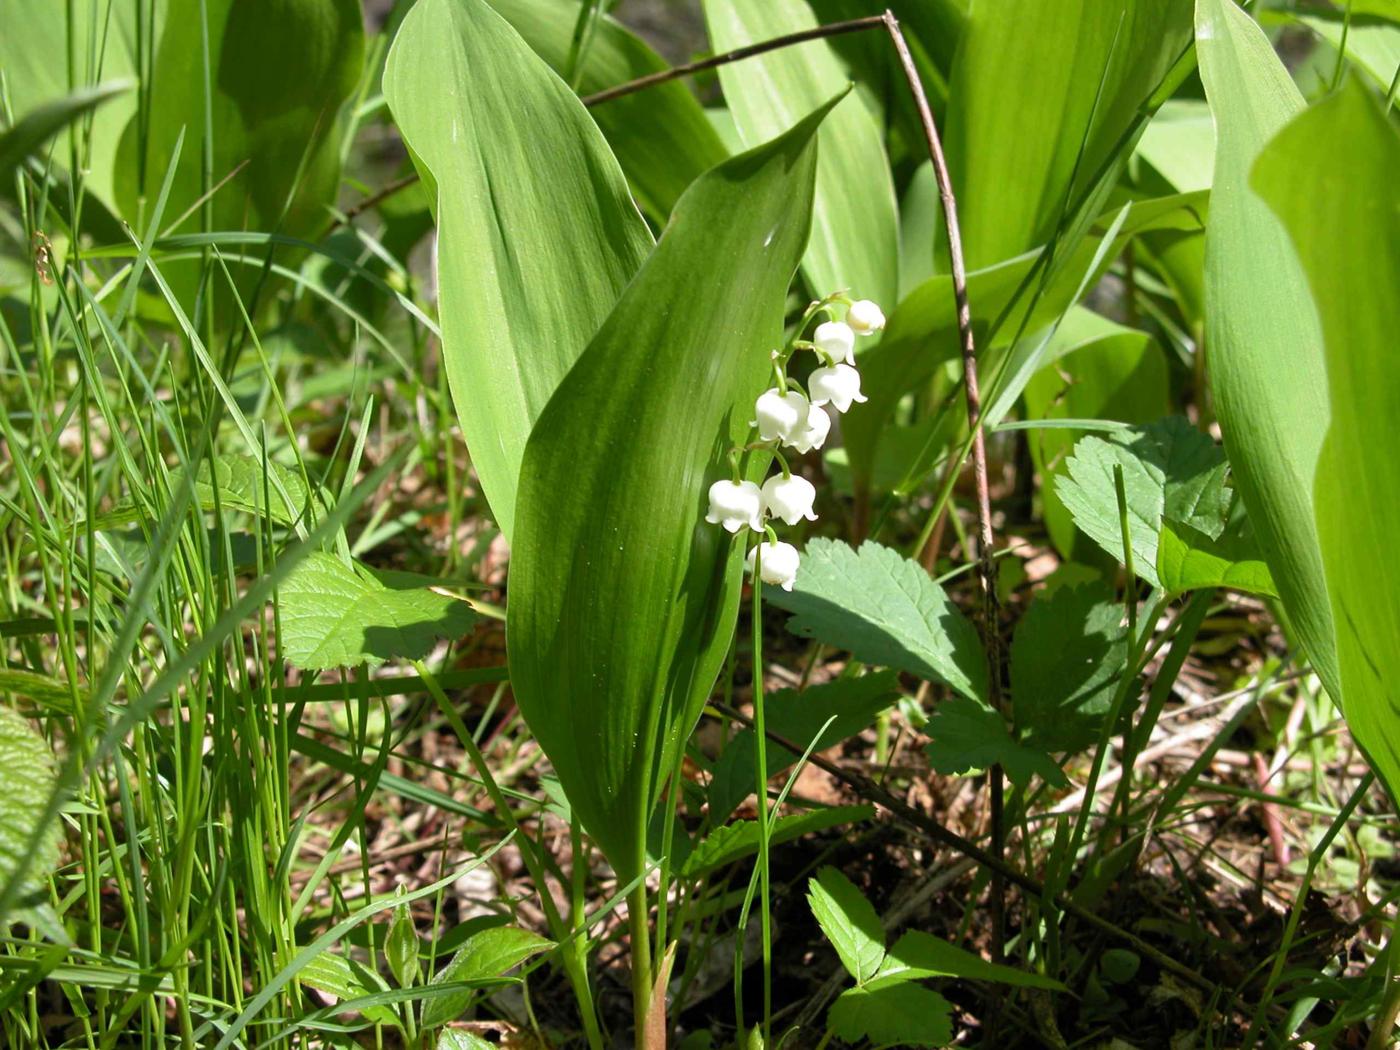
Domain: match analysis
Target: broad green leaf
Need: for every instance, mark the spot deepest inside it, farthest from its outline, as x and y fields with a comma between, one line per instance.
x=966, y=734
x=458, y=1039
x=1180, y=144
x=855, y=230
x=901, y=1014
x=1268, y=379
x=486, y=958
x=918, y=955
x=921, y=340
x=849, y=922
x=740, y=839
x=1081, y=74
x=334, y=616
x=1096, y=369
x=33, y=56
x=34, y=128
x=661, y=136
x=279, y=71
x=884, y=609
x=1068, y=653
x=29, y=781
x=1330, y=176
x=1170, y=469
x=537, y=235
x=1190, y=560
x=622, y=599
x=850, y=704
x=1372, y=45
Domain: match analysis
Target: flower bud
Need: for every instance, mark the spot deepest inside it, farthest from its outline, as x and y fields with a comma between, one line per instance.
x=779, y=415
x=865, y=317
x=735, y=504
x=836, y=342
x=839, y=385
x=789, y=498
x=779, y=564
x=813, y=433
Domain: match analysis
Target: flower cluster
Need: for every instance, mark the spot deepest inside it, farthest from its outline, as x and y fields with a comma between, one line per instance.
x=786, y=416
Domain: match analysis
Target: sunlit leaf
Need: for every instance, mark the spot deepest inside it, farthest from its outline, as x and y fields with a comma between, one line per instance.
x=855, y=232
x=900, y=1014
x=623, y=600
x=1268, y=379
x=1330, y=176
x=918, y=955
x=884, y=609
x=486, y=957
x=335, y=616
x=29, y=781
x=1170, y=470
x=1191, y=560
x=741, y=839
x=849, y=922
x=537, y=235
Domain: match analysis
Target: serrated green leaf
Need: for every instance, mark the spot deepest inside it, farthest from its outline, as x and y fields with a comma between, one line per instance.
x=855, y=230
x=1069, y=651
x=1189, y=560
x=333, y=616
x=486, y=958
x=1170, y=469
x=1095, y=369
x=967, y=734
x=738, y=840
x=918, y=955
x=849, y=922
x=1330, y=176
x=279, y=493
x=901, y=1014
x=456, y=1039
x=886, y=610
x=661, y=136
x=346, y=979
x=1268, y=378
x=537, y=235
x=29, y=781
x=1015, y=166
x=622, y=599
x=799, y=716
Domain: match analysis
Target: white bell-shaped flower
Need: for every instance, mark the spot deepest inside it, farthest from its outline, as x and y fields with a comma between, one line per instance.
x=778, y=565
x=865, y=317
x=813, y=433
x=779, y=415
x=735, y=504
x=839, y=385
x=835, y=341
x=789, y=498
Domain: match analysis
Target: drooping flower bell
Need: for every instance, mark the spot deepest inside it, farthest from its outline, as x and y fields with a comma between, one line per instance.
x=778, y=416
x=812, y=434
x=789, y=498
x=835, y=341
x=865, y=317
x=839, y=385
x=778, y=565
x=736, y=504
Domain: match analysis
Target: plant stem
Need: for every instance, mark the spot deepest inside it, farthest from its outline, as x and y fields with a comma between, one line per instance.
x=991, y=631
x=637, y=909
x=761, y=789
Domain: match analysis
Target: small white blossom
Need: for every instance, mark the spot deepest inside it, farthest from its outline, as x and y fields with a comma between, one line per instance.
x=839, y=385
x=835, y=341
x=779, y=415
x=813, y=433
x=779, y=565
x=735, y=504
x=789, y=498
x=865, y=317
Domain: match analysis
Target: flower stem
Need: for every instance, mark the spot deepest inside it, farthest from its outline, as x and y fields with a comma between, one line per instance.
x=761, y=786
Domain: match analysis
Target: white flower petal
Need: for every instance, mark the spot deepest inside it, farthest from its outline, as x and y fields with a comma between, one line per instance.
x=778, y=415
x=835, y=341
x=789, y=498
x=736, y=504
x=779, y=565
x=839, y=385
x=865, y=317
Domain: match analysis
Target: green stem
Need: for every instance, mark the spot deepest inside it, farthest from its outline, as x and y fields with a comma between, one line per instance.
x=637, y=909
x=761, y=787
